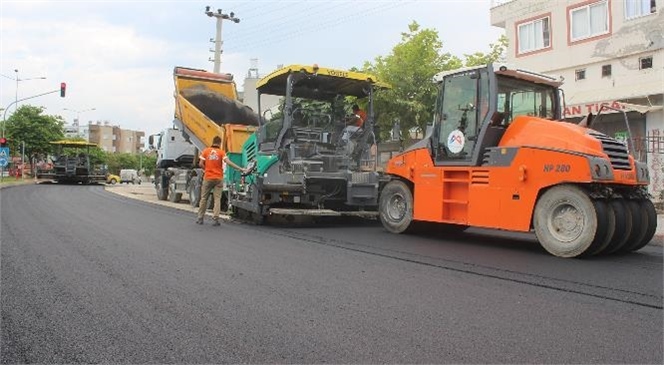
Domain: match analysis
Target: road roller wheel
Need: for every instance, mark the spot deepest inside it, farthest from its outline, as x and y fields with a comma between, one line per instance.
x=566, y=221
x=623, y=226
x=648, y=210
x=606, y=221
x=639, y=224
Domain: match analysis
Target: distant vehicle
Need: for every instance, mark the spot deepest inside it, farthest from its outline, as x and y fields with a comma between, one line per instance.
x=72, y=164
x=129, y=176
x=112, y=179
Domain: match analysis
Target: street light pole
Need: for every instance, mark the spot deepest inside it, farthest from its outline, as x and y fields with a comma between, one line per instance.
x=78, y=113
x=4, y=114
x=17, y=79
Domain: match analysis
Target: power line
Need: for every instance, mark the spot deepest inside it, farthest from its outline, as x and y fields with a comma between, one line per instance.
x=250, y=32
x=331, y=23
x=313, y=23
x=255, y=9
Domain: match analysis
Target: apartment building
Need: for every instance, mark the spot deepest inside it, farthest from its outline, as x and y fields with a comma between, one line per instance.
x=250, y=95
x=112, y=138
x=77, y=131
x=609, y=52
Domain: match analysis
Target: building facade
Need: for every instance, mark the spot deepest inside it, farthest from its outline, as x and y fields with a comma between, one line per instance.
x=114, y=139
x=609, y=52
x=250, y=95
x=77, y=131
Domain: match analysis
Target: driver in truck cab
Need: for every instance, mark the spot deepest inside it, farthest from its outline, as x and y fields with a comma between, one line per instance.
x=212, y=161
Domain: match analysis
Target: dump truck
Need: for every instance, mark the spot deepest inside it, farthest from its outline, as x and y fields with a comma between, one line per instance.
x=499, y=156
x=206, y=106
x=72, y=164
x=304, y=158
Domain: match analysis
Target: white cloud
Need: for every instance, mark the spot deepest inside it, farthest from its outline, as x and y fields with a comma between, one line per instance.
x=126, y=76
x=118, y=56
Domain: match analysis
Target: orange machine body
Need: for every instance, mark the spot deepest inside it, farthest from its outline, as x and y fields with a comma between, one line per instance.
x=536, y=154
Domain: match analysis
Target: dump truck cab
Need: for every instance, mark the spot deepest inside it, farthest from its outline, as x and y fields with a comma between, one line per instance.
x=310, y=155
x=499, y=156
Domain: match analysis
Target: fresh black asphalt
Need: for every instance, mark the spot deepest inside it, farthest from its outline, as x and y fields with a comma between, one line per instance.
x=89, y=276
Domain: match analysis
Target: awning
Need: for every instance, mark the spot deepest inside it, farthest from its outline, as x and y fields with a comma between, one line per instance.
x=640, y=108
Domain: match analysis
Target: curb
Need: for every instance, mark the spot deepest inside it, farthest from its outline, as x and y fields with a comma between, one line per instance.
x=18, y=183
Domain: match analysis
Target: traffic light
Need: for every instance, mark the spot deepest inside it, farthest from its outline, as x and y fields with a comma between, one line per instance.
x=63, y=88
x=3, y=142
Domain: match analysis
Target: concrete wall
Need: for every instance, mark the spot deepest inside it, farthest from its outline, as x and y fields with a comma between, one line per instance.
x=624, y=44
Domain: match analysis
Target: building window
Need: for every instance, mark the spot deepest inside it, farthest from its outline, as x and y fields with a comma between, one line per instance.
x=589, y=21
x=645, y=62
x=534, y=35
x=606, y=70
x=639, y=8
x=580, y=74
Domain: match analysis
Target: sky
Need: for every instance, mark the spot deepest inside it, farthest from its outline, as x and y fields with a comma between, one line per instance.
x=118, y=56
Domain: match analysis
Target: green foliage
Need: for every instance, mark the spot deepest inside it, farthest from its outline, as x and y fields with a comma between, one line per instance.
x=409, y=69
x=149, y=164
x=118, y=161
x=97, y=155
x=496, y=54
x=37, y=130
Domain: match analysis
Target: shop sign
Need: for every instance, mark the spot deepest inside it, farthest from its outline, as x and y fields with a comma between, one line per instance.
x=580, y=110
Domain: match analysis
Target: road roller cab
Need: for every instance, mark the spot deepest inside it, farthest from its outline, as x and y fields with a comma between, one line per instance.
x=500, y=156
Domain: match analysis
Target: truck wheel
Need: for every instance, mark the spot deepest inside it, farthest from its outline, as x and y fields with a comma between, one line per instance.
x=224, y=202
x=396, y=207
x=113, y=181
x=173, y=197
x=649, y=211
x=566, y=221
x=195, y=196
x=162, y=189
x=623, y=226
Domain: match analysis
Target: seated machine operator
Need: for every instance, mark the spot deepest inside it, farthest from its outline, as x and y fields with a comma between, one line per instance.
x=354, y=122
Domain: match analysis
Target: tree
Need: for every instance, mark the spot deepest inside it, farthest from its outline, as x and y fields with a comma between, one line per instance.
x=149, y=163
x=119, y=161
x=409, y=69
x=496, y=54
x=97, y=155
x=37, y=130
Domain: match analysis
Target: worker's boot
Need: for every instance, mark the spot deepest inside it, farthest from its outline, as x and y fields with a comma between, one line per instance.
x=199, y=221
x=216, y=222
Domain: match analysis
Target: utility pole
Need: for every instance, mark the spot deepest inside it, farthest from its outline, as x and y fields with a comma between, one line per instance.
x=217, y=41
x=23, y=160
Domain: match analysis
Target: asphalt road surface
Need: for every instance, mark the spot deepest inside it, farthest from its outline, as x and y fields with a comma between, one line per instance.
x=89, y=276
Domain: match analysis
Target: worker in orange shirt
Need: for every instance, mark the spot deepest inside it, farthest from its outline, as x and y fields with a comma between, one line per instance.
x=359, y=115
x=354, y=122
x=212, y=160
